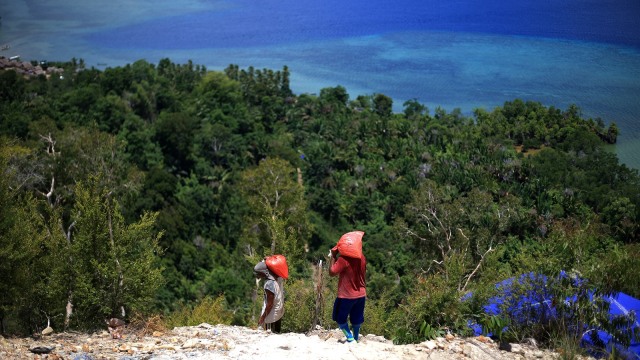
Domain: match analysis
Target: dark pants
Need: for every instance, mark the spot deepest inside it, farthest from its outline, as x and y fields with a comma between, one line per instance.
x=275, y=326
x=351, y=308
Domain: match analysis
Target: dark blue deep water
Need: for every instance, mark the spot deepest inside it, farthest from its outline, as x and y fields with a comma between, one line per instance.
x=451, y=54
x=272, y=22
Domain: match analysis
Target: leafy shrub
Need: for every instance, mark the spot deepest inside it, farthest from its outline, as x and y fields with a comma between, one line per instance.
x=208, y=310
x=147, y=325
x=495, y=325
x=433, y=303
x=376, y=315
x=299, y=306
x=300, y=302
x=429, y=332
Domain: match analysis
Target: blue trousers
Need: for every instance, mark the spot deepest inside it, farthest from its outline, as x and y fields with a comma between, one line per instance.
x=353, y=309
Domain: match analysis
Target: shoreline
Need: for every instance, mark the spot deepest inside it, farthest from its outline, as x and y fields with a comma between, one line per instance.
x=27, y=69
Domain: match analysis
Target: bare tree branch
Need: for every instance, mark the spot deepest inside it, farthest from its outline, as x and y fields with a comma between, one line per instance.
x=472, y=274
x=51, y=148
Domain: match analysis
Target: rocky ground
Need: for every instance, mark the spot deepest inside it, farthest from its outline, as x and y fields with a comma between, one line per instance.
x=234, y=342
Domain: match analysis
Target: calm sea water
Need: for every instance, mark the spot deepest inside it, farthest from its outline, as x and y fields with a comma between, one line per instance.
x=453, y=54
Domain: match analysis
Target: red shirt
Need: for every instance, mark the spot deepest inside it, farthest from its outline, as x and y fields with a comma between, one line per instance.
x=351, y=283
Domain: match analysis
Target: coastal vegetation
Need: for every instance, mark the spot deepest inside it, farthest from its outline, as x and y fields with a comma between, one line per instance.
x=152, y=189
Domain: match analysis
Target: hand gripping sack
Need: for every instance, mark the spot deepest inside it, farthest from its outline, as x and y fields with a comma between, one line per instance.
x=277, y=264
x=350, y=244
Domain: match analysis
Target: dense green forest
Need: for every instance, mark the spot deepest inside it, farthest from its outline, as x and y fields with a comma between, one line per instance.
x=149, y=189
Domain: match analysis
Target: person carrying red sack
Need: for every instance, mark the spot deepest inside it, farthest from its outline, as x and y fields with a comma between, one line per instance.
x=273, y=302
x=349, y=264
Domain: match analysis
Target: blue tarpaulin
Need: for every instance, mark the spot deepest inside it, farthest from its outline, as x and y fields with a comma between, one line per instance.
x=529, y=300
x=622, y=304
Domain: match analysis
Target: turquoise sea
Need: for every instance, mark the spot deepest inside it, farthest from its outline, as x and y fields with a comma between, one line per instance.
x=453, y=54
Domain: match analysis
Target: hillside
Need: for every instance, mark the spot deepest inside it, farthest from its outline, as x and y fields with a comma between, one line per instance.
x=155, y=188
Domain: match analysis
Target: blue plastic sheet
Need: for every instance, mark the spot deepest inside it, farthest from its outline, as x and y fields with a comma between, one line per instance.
x=535, y=303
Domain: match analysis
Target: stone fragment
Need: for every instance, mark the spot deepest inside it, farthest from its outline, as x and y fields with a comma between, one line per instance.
x=517, y=349
x=429, y=344
x=47, y=331
x=191, y=343
x=41, y=349
x=484, y=339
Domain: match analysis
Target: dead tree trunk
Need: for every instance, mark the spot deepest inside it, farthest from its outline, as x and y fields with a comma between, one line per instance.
x=51, y=150
x=117, y=261
x=69, y=307
x=319, y=290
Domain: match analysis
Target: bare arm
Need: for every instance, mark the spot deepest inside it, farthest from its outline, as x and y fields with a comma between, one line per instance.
x=332, y=261
x=268, y=307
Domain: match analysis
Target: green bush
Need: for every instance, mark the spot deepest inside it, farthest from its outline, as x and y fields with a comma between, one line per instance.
x=376, y=315
x=495, y=325
x=299, y=306
x=434, y=304
x=209, y=310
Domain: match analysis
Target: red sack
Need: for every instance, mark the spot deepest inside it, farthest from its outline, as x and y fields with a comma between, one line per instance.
x=350, y=244
x=277, y=264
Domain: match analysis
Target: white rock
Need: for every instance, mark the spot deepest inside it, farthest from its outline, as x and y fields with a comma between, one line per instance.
x=429, y=344
x=190, y=343
x=47, y=331
x=517, y=349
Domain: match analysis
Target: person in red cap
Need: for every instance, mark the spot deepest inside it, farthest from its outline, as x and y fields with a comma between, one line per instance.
x=352, y=293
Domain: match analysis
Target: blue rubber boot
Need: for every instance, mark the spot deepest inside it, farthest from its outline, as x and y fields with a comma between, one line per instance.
x=356, y=331
x=345, y=329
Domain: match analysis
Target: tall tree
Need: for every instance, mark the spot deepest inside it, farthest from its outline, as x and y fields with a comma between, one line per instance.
x=22, y=244
x=114, y=264
x=278, y=220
